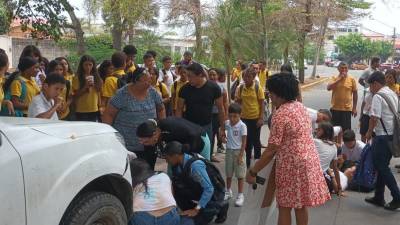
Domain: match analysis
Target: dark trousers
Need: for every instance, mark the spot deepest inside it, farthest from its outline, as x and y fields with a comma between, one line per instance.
x=215, y=132
x=381, y=159
x=341, y=118
x=253, y=140
x=90, y=117
x=149, y=155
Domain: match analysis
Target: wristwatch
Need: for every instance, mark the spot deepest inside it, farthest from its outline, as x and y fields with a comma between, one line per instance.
x=253, y=174
x=198, y=207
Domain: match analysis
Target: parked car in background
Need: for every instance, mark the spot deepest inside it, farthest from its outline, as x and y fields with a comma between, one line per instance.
x=358, y=66
x=386, y=66
x=63, y=173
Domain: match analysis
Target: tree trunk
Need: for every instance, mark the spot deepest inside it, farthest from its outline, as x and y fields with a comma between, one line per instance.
x=228, y=64
x=116, y=33
x=302, y=43
x=264, y=39
x=286, y=54
x=320, y=43
x=77, y=27
x=197, y=20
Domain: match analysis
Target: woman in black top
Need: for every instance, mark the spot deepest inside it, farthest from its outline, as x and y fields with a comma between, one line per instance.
x=151, y=133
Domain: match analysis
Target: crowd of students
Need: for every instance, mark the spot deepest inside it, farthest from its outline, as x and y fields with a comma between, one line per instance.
x=181, y=113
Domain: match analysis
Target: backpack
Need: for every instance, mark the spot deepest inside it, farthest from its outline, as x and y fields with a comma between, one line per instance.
x=364, y=179
x=233, y=88
x=7, y=96
x=188, y=190
x=394, y=144
x=122, y=81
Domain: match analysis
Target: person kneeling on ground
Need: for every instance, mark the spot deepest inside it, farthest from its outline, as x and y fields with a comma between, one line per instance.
x=153, y=202
x=198, y=186
x=351, y=150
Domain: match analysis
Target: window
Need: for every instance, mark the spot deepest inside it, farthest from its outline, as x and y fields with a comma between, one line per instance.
x=331, y=37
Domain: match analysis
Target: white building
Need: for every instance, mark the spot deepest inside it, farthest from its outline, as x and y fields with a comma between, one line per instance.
x=337, y=30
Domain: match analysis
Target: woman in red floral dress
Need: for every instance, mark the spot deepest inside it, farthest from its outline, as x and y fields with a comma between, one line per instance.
x=299, y=178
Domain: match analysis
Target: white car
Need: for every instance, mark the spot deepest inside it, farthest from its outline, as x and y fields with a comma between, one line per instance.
x=66, y=173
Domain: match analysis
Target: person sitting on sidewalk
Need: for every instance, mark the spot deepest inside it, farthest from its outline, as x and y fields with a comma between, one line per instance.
x=381, y=124
x=351, y=150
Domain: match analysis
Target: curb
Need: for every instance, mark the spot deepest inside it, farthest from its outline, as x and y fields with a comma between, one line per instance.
x=314, y=83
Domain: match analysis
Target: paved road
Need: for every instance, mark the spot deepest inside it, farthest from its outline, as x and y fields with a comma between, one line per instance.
x=350, y=210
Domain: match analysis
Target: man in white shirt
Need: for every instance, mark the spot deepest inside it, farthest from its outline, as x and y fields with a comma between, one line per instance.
x=46, y=104
x=381, y=123
x=166, y=73
x=320, y=116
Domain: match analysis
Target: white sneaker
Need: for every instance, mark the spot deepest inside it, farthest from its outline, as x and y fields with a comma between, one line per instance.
x=239, y=200
x=228, y=195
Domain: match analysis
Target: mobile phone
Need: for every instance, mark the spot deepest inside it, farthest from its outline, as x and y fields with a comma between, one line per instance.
x=259, y=180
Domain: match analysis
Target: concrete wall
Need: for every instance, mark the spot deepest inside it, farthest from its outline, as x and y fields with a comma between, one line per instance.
x=48, y=48
x=6, y=45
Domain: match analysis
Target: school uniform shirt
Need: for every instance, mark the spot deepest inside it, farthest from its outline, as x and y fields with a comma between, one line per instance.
x=31, y=89
x=367, y=102
x=1, y=91
x=170, y=78
x=250, y=101
x=235, y=133
x=263, y=76
x=69, y=76
x=131, y=69
x=395, y=88
x=236, y=73
x=327, y=153
x=175, y=89
x=381, y=110
x=199, y=102
x=88, y=102
x=40, y=105
x=342, y=94
x=64, y=95
x=314, y=116
x=161, y=89
x=353, y=154
x=110, y=85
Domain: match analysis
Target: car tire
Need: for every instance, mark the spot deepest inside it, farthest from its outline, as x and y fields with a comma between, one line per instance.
x=95, y=208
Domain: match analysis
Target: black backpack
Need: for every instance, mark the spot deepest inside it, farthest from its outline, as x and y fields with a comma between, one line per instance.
x=188, y=190
x=122, y=81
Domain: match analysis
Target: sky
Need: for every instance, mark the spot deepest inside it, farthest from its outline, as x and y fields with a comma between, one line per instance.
x=384, y=16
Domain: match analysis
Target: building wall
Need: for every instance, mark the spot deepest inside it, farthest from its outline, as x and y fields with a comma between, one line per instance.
x=48, y=48
x=6, y=45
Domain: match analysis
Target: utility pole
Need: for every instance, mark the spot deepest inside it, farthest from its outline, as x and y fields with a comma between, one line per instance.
x=394, y=45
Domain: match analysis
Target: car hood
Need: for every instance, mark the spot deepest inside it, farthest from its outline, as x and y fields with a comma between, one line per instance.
x=56, y=128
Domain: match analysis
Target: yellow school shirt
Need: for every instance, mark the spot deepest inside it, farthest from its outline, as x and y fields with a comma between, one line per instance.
x=110, y=85
x=263, y=76
x=32, y=89
x=249, y=97
x=88, y=102
x=342, y=94
x=64, y=95
x=69, y=77
x=161, y=89
x=395, y=88
x=175, y=92
x=131, y=69
x=1, y=91
x=236, y=73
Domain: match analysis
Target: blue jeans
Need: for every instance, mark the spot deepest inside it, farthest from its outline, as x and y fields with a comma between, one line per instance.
x=144, y=218
x=381, y=159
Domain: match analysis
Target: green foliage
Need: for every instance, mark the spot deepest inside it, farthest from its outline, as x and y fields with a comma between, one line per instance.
x=355, y=48
x=5, y=17
x=311, y=52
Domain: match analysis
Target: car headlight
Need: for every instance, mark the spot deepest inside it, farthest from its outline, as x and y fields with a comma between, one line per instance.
x=120, y=138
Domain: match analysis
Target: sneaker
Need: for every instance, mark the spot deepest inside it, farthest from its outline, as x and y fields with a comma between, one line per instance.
x=393, y=205
x=374, y=201
x=228, y=195
x=239, y=200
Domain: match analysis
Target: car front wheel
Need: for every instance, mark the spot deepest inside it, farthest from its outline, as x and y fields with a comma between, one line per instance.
x=95, y=208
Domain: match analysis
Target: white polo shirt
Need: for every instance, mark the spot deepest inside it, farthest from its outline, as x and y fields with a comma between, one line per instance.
x=381, y=110
x=313, y=114
x=41, y=105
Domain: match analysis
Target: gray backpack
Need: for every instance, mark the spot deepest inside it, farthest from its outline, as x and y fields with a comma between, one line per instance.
x=395, y=143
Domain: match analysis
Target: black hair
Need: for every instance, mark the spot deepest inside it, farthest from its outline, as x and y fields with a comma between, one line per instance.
x=81, y=76
x=3, y=60
x=130, y=50
x=45, y=62
x=250, y=71
x=196, y=68
x=2, y=51
x=152, y=52
x=173, y=148
x=52, y=66
x=391, y=72
x=326, y=112
x=135, y=75
x=9, y=80
x=221, y=72
x=140, y=172
x=377, y=76
x=26, y=63
x=154, y=71
x=187, y=53
x=54, y=78
x=243, y=67
x=342, y=64
x=166, y=58
x=328, y=132
x=375, y=60
x=70, y=71
x=31, y=50
x=235, y=108
x=146, y=129
x=349, y=135
x=147, y=56
x=103, y=68
x=284, y=85
x=286, y=68
x=118, y=59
